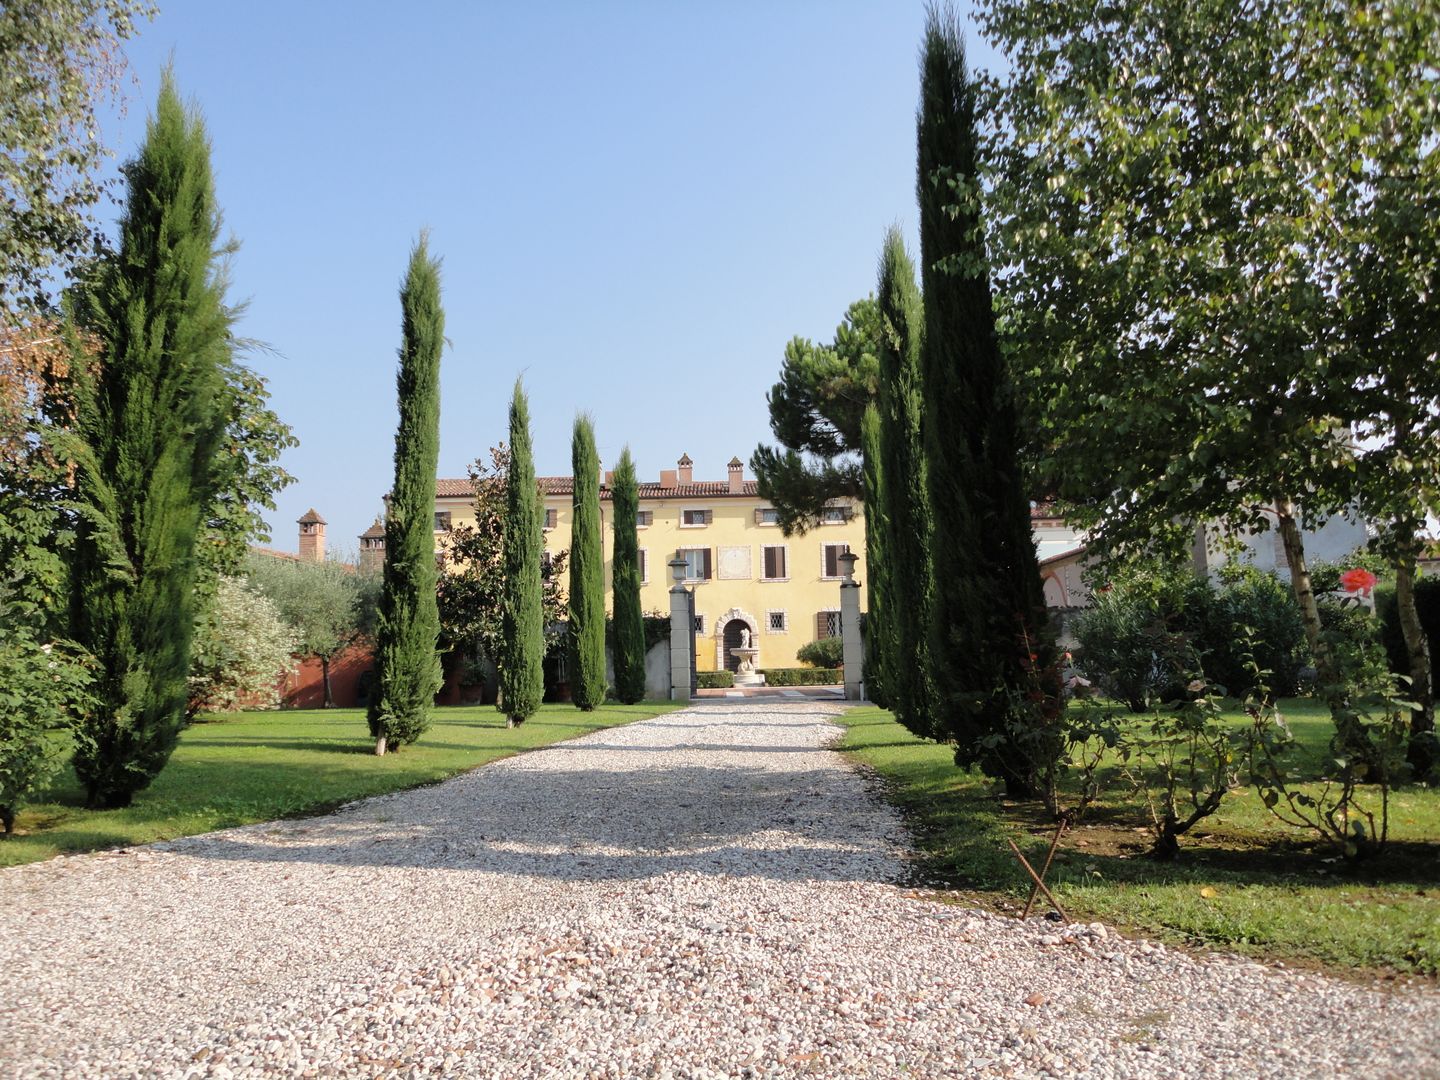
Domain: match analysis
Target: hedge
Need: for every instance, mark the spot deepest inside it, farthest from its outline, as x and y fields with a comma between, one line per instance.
x=1427, y=600
x=796, y=676
x=714, y=680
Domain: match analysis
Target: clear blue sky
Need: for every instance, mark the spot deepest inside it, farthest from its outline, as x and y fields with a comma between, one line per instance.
x=637, y=205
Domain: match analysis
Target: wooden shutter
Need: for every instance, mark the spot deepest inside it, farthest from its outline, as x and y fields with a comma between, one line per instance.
x=708, y=566
x=643, y=575
x=832, y=561
x=822, y=625
x=709, y=516
x=759, y=517
x=551, y=517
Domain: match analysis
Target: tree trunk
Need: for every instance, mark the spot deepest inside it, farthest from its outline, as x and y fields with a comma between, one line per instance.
x=1349, y=737
x=1304, y=589
x=325, y=678
x=380, y=746
x=7, y=819
x=1421, y=749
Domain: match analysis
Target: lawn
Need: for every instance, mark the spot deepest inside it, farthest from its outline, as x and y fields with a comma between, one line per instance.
x=1243, y=881
x=259, y=766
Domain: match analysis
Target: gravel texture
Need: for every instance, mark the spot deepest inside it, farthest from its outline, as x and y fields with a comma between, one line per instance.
x=706, y=894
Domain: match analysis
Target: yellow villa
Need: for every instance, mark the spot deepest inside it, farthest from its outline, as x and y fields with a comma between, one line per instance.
x=747, y=575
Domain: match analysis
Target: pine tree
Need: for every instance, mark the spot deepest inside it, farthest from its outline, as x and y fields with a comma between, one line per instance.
x=988, y=619
x=146, y=430
x=879, y=659
x=629, y=622
x=904, y=500
x=522, y=674
x=407, y=661
x=587, y=572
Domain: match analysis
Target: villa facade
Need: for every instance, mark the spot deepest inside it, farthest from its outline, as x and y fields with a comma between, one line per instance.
x=746, y=574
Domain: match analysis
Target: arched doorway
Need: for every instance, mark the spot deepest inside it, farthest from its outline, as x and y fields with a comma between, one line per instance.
x=733, y=630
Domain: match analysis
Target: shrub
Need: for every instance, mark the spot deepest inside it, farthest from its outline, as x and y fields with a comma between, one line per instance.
x=714, y=680
x=1250, y=599
x=803, y=676
x=1132, y=644
x=1143, y=638
x=43, y=688
x=825, y=653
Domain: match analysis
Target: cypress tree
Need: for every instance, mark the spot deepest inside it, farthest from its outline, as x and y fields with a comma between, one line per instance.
x=146, y=430
x=522, y=674
x=629, y=622
x=904, y=498
x=407, y=661
x=988, y=618
x=879, y=660
x=587, y=572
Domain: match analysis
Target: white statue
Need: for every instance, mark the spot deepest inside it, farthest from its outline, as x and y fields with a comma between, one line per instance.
x=745, y=638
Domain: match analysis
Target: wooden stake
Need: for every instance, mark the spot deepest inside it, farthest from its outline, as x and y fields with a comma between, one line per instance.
x=1054, y=843
x=1036, y=878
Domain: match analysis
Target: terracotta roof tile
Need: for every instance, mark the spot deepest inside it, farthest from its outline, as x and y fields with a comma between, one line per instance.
x=564, y=485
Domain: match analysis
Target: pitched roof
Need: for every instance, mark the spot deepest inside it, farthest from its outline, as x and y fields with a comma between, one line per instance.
x=375, y=530
x=564, y=485
x=311, y=517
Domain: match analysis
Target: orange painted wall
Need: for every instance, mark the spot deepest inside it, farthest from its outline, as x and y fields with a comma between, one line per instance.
x=305, y=687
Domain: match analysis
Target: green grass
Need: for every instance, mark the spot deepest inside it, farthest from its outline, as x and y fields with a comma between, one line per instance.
x=264, y=765
x=1269, y=890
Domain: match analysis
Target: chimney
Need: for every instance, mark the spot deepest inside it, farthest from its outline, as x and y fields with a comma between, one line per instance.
x=372, y=547
x=687, y=469
x=312, y=537
x=668, y=478
x=737, y=476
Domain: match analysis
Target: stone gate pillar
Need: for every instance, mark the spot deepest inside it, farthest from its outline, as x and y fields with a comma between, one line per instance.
x=682, y=633
x=852, y=646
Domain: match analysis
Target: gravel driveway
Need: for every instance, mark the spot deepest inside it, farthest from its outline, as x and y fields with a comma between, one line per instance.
x=705, y=894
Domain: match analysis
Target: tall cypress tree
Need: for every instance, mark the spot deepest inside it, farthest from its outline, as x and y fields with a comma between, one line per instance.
x=629, y=622
x=587, y=572
x=522, y=674
x=407, y=661
x=905, y=499
x=988, y=618
x=879, y=658
x=146, y=427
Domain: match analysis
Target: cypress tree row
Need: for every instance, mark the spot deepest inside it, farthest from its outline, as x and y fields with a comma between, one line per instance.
x=905, y=500
x=407, y=662
x=587, y=572
x=629, y=622
x=879, y=635
x=146, y=431
x=522, y=674
x=988, y=619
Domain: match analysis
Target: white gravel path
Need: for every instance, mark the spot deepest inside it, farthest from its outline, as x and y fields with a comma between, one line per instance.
x=705, y=894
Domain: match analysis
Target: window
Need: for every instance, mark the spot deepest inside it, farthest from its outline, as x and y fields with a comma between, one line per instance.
x=699, y=624
x=767, y=515
x=552, y=517
x=775, y=622
x=694, y=519
x=831, y=559
x=442, y=520
x=834, y=515
x=698, y=566
x=547, y=563
x=772, y=567
x=644, y=567
x=827, y=624
x=644, y=518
